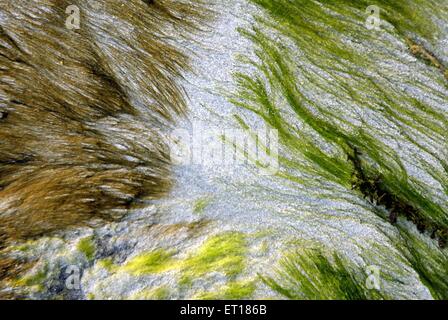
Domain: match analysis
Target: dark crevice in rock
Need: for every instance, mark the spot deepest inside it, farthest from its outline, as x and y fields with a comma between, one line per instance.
x=374, y=189
x=25, y=159
x=10, y=39
x=149, y=2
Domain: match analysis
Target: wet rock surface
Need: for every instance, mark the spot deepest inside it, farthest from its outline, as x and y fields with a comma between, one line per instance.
x=221, y=227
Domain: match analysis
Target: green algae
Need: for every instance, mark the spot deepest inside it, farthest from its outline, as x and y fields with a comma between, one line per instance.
x=320, y=141
x=90, y=296
x=159, y=293
x=234, y=290
x=377, y=191
x=223, y=253
x=430, y=262
x=413, y=17
x=313, y=275
x=87, y=247
x=150, y=262
x=23, y=248
x=35, y=280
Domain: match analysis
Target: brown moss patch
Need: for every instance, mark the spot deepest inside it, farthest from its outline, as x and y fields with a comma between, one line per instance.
x=420, y=52
x=80, y=110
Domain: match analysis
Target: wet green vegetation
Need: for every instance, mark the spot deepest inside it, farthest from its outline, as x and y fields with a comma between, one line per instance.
x=223, y=253
x=150, y=262
x=313, y=275
x=341, y=96
x=430, y=262
x=235, y=290
x=35, y=279
x=377, y=192
x=345, y=139
x=87, y=247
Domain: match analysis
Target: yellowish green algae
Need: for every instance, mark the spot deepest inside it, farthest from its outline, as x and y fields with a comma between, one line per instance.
x=159, y=293
x=234, y=290
x=311, y=274
x=35, y=280
x=221, y=253
x=22, y=248
x=224, y=253
x=150, y=262
x=90, y=296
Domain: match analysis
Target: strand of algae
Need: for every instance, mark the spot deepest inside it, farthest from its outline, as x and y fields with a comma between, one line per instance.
x=312, y=275
x=235, y=290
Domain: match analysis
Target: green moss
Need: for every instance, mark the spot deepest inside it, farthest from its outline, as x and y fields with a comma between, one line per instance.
x=87, y=247
x=312, y=275
x=150, y=262
x=235, y=290
x=36, y=279
x=221, y=253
